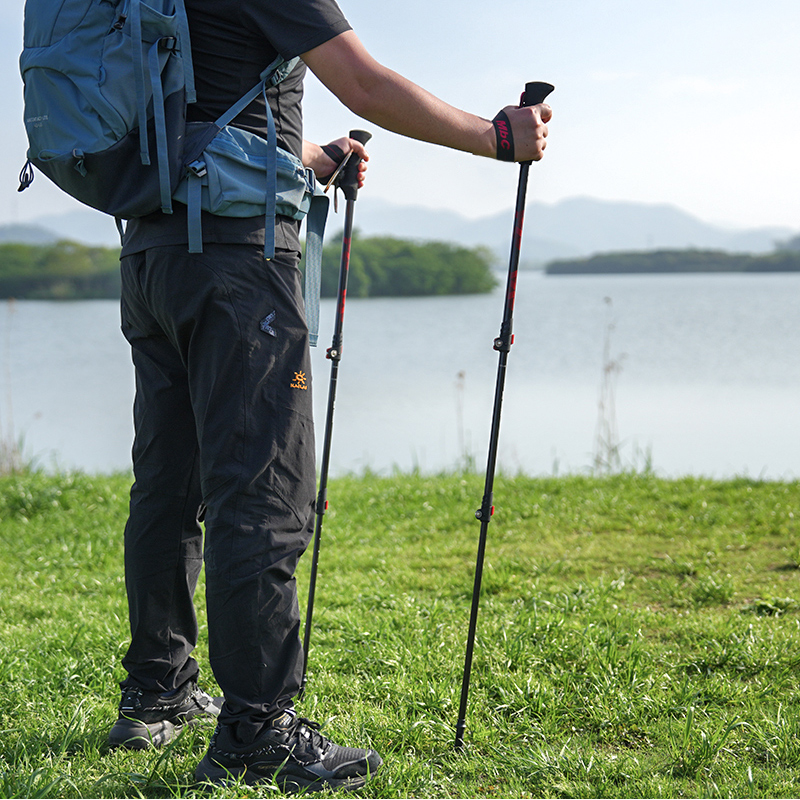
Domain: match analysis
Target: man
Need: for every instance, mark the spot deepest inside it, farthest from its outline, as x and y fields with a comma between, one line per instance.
x=223, y=412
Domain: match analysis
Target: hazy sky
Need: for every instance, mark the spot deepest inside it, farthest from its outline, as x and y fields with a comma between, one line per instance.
x=693, y=103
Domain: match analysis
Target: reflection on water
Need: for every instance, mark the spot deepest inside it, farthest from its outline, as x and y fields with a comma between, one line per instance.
x=709, y=380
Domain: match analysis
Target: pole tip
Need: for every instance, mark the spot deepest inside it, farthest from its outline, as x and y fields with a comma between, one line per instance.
x=461, y=727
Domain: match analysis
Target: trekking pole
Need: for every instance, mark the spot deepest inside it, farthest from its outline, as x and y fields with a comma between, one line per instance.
x=346, y=179
x=534, y=93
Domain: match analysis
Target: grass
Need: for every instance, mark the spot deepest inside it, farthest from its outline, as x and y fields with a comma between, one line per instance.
x=638, y=637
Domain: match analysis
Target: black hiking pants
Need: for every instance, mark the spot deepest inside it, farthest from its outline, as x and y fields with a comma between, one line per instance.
x=223, y=421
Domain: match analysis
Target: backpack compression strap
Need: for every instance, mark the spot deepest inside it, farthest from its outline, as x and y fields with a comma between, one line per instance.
x=154, y=70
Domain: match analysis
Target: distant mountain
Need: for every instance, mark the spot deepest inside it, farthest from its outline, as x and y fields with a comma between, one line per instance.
x=84, y=225
x=381, y=218
x=26, y=234
x=572, y=228
x=569, y=229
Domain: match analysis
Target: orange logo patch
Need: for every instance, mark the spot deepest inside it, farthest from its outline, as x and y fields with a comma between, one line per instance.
x=299, y=381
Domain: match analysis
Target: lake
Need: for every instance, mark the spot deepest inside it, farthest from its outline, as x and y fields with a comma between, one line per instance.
x=707, y=378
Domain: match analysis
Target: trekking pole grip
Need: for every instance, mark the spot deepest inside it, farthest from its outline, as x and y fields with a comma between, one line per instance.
x=535, y=93
x=360, y=136
x=349, y=181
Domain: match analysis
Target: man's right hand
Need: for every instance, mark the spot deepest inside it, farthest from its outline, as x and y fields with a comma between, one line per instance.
x=529, y=130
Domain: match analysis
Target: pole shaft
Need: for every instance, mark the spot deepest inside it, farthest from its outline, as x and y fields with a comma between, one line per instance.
x=534, y=93
x=484, y=514
x=348, y=182
x=335, y=354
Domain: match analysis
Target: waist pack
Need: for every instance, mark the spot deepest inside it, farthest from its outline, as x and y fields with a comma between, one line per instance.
x=107, y=83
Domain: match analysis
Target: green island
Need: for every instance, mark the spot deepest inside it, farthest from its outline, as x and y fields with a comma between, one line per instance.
x=385, y=266
x=379, y=267
x=61, y=271
x=786, y=258
x=637, y=637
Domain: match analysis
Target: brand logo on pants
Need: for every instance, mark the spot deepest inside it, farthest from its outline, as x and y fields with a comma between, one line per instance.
x=266, y=324
x=299, y=381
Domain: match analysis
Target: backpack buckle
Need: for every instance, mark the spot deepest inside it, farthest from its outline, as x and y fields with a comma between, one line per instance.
x=198, y=168
x=168, y=42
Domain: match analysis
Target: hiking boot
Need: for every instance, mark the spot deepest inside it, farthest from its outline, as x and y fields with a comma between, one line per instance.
x=290, y=751
x=147, y=719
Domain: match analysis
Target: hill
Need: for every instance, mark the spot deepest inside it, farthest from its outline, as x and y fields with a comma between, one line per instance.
x=26, y=234
x=573, y=228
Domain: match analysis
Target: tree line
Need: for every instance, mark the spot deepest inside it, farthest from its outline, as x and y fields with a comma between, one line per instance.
x=61, y=271
x=379, y=267
x=383, y=266
x=784, y=259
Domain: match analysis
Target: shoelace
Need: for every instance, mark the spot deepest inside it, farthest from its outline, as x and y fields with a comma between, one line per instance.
x=132, y=698
x=311, y=733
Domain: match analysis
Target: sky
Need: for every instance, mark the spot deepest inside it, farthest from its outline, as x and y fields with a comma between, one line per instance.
x=693, y=103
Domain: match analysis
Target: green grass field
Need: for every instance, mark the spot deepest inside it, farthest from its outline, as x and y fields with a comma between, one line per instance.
x=638, y=637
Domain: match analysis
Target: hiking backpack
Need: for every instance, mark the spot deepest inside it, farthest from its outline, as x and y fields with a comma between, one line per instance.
x=106, y=85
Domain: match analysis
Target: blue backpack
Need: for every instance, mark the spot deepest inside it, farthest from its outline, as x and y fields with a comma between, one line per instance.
x=107, y=83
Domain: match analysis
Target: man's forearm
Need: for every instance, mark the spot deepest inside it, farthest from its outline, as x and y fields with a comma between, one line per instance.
x=391, y=101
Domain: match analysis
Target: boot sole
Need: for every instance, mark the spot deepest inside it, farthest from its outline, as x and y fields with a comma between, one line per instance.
x=136, y=735
x=209, y=771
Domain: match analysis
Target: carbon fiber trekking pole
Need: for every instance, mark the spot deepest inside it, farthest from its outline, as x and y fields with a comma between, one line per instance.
x=346, y=179
x=534, y=93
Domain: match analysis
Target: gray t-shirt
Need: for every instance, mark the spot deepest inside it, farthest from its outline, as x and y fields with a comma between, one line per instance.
x=232, y=42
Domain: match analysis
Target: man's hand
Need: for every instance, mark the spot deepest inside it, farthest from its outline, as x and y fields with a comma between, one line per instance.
x=528, y=131
x=324, y=165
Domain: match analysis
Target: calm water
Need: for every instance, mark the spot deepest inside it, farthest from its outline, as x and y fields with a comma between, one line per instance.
x=709, y=378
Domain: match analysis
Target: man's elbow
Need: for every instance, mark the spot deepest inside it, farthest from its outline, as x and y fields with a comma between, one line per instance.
x=345, y=67
x=359, y=99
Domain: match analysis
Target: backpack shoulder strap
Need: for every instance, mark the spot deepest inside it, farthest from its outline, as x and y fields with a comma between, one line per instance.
x=278, y=70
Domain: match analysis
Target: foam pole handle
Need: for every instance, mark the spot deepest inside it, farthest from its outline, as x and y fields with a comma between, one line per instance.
x=535, y=93
x=349, y=180
x=360, y=136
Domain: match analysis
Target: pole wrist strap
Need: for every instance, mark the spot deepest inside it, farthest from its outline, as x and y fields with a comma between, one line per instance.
x=505, y=138
x=335, y=154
